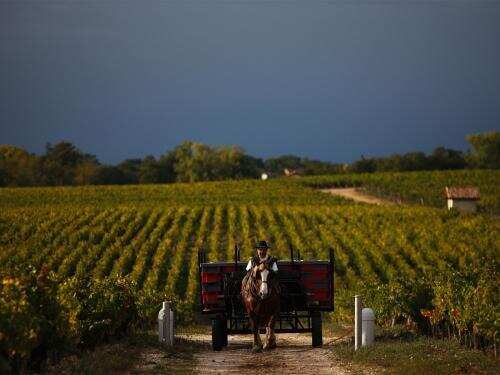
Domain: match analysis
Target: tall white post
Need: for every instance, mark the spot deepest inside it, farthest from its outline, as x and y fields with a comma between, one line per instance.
x=171, y=327
x=357, y=322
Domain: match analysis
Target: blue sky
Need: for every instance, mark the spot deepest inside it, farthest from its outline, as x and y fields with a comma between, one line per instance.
x=330, y=80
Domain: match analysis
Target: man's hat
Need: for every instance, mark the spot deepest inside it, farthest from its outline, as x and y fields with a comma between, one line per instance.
x=262, y=245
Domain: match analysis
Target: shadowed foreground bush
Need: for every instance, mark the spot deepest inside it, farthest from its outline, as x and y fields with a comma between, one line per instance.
x=446, y=304
x=98, y=310
x=39, y=318
x=32, y=321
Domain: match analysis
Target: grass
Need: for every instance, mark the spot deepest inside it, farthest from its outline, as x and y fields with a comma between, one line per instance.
x=394, y=352
x=407, y=354
x=140, y=353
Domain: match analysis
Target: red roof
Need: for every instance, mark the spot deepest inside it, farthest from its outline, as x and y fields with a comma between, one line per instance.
x=462, y=193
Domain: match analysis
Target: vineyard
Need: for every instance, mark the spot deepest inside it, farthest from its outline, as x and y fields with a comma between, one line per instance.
x=286, y=192
x=415, y=264
x=424, y=188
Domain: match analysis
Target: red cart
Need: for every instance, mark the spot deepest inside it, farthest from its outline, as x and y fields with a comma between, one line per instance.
x=306, y=290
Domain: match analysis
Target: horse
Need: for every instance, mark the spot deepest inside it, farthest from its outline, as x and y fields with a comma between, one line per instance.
x=261, y=297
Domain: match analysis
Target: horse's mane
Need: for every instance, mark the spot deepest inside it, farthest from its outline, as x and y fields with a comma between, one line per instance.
x=249, y=284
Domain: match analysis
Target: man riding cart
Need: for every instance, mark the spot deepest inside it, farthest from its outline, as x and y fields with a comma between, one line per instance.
x=255, y=298
x=261, y=257
x=260, y=293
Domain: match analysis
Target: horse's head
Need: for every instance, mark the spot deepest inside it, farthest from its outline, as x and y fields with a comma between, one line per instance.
x=263, y=272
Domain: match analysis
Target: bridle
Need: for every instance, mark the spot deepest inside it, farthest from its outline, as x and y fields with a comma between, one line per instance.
x=251, y=284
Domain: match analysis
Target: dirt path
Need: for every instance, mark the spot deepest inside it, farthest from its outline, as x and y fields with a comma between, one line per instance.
x=294, y=355
x=357, y=195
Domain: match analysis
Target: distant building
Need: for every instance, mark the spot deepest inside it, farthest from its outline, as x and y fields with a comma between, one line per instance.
x=462, y=198
x=290, y=172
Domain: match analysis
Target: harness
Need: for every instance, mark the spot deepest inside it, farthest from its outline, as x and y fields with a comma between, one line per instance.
x=269, y=261
x=249, y=284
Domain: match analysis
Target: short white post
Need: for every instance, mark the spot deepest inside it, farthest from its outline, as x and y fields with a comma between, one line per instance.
x=166, y=324
x=368, y=327
x=357, y=322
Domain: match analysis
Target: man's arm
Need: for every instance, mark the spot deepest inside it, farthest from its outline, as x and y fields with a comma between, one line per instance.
x=274, y=267
x=249, y=265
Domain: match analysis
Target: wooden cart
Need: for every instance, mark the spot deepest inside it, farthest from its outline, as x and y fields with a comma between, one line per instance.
x=306, y=290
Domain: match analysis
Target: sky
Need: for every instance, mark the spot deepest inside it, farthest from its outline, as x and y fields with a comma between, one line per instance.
x=329, y=80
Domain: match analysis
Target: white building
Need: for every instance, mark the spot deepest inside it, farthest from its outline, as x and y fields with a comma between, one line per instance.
x=462, y=198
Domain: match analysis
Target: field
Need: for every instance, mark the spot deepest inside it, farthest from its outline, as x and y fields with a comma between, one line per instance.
x=420, y=265
x=423, y=188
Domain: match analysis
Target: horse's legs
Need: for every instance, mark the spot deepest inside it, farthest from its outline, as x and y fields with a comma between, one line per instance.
x=270, y=337
x=257, y=343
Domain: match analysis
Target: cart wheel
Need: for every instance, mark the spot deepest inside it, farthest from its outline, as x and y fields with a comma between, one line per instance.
x=224, y=332
x=316, y=325
x=217, y=334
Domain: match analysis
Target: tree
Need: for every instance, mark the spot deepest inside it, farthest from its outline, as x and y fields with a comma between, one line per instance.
x=231, y=162
x=317, y=167
x=445, y=158
x=193, y=162
x=19, y=168
x=166, y=165
x=485, y=151
x=149, y=172
x=130, y=169
x=413, y=161
x=250, y=166
x=108, y=175
x=85, y=173
x=277, y=165
x=3, y=176
x=58, y=165
x=364, y=165
x=67, y=154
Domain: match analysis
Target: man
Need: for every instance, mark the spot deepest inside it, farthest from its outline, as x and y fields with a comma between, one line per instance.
x=262, y=305
x=261, y=257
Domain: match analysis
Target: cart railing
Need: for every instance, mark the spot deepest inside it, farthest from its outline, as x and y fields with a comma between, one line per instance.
x=306, y=285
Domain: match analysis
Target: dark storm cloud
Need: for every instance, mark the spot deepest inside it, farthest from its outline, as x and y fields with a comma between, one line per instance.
x=324, y=79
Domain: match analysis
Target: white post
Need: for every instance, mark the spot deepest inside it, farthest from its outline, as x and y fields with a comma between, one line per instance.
x=162, y=329
x=357, y=322
x=367, y=327
x=166, y=324
x=171, y=327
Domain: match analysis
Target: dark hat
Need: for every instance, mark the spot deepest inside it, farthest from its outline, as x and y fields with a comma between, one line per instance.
x=262, y=245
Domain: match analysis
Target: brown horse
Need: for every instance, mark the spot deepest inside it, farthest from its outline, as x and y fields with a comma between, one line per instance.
x=261, y=297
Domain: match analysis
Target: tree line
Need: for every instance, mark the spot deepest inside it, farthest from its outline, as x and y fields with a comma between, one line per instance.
x=484, y=154
x=64, y=164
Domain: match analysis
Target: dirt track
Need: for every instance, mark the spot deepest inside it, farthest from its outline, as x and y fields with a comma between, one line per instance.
x=294, y=355
x=357, y=195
